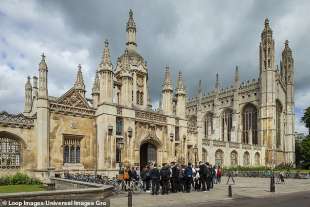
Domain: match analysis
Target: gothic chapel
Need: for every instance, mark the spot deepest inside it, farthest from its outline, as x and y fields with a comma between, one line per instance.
x=249, y=124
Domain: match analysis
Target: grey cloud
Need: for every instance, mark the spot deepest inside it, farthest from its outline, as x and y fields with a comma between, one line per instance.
x=199, y=38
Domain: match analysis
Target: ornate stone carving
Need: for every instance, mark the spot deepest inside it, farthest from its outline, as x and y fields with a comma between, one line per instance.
x=18, y=120
x=73, y=103
x=147, y=116
x=217, y=143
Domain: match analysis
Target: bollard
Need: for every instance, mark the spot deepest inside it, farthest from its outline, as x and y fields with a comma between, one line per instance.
x=129, y=198
x=229, y=191
x=272, y=184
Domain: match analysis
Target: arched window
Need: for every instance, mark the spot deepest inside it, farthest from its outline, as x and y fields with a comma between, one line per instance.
x=204, y=155
x=226, y=124
x=208, y=124
x=219, y=157
x=249, y=124
x=246, y=159
x=233, y=158
x=10, y=151
x=72, y=149
x=66, y=154
x=278, y=123
x=257, y=159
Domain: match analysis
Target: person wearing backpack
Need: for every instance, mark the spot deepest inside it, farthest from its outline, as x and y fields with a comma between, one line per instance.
x=203, y=175
x=165, y=176
x=188, y=177
x=155, y=177
x=209, y=176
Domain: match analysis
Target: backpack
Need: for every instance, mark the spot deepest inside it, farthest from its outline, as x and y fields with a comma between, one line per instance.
x=189, y=172
x=126, y=175
x=204, y=170
x=165, y=173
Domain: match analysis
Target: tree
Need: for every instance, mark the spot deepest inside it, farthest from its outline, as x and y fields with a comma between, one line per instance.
x=305, y=151
x=306, y=118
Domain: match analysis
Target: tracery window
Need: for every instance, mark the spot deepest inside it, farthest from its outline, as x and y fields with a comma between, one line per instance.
x=227, y=124
x=249, y=124
x=208, y=125
x=119, y=126
x=246, y=159
x=72, y=150
x=139, y=96
x=204, y=155
x=10, y=152
x=278, y=123
x=233, y=158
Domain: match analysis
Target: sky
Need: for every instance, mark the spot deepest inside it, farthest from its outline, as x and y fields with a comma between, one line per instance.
x=199, y=38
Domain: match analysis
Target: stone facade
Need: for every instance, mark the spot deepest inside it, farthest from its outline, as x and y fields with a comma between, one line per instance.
x=251, y=123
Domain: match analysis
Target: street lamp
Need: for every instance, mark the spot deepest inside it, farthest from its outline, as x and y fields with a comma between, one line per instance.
x=120, y=147
x=195, y=152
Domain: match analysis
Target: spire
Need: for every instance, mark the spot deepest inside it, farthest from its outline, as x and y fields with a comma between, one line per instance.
x=267, y=30
x=131, y=31
x=200, y=88
x=42, y=64
x=167, y=82
x=217, y=84
x=287, y=50
x=237, y=77
x=96, y=85
x=149, y=102
x=79, y=82
x=180, y=86
x=106, y=57
x=28, y=84
x=28, y=96
x=131, y=22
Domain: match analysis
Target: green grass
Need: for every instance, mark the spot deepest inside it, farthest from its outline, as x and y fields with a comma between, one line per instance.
x=20, y=188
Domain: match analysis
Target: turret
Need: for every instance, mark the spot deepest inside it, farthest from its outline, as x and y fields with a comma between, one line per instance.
x=106, y=76
x=181, y=97
x=167, y=94
x=96, y=91
x=43, y=91
x=237, y=78
x=79, y=82
x=288, y=76
x=126, y=89
x=217, y=83
x=267, y=87
x=131, y=32
x=35, y=87
x=43, y=119
x=28, y=96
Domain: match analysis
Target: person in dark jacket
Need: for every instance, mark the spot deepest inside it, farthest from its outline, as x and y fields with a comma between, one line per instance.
x=165, y=176
x=155, y=177
x=203, y=175
x=209, y=176
x=175, y=178
x=188, y=174
x=143, y=177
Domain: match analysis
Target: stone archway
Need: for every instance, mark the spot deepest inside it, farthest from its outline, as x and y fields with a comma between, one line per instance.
x=148, y=153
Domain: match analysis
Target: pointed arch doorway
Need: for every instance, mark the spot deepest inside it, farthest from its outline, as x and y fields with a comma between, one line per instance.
x=148, y=153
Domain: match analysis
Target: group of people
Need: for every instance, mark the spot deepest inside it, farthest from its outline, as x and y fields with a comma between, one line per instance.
x=175, y=177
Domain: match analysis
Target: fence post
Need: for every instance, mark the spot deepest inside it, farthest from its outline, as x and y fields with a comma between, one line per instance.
x=229, y=191
x=129, y=198
x=272, y=184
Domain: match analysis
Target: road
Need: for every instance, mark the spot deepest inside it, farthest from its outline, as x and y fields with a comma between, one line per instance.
x=300, y=199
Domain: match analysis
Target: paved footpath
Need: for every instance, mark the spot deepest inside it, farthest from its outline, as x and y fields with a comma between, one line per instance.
x=243, y=189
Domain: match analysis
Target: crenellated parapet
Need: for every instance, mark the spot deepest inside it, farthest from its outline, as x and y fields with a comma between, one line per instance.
x=16, y=120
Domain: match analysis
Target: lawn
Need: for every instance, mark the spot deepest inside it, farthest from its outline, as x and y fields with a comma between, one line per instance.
x=20, y=188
